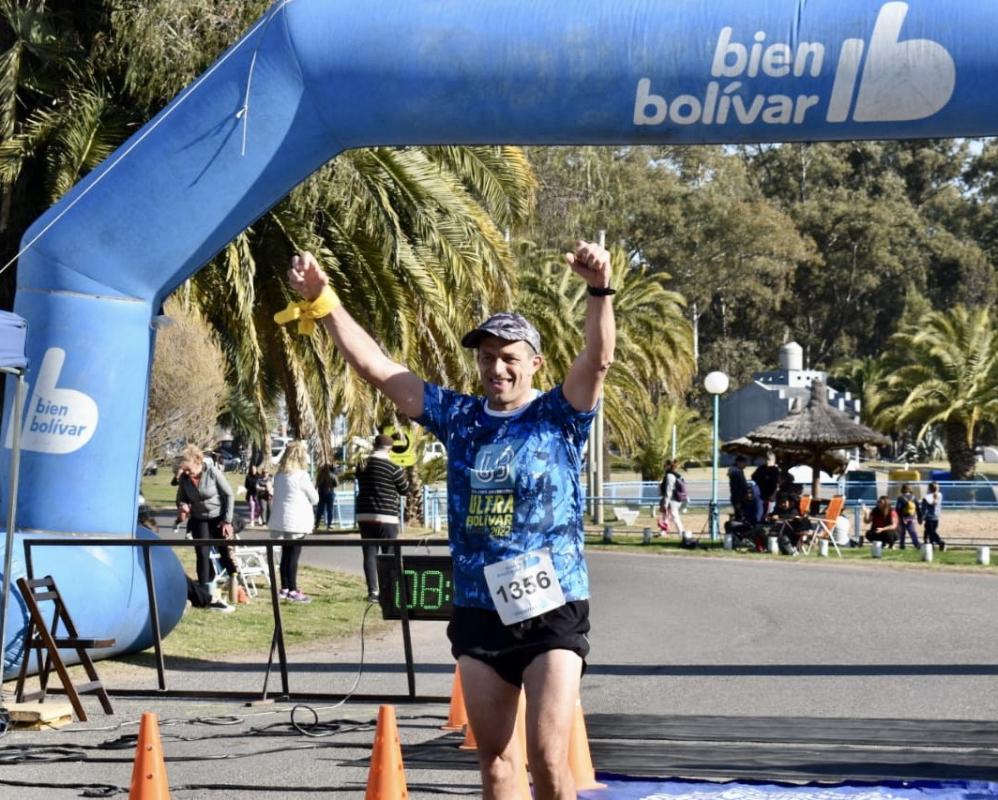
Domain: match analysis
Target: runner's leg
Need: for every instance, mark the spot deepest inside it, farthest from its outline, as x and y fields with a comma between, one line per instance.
x=491, y=703
x=552, y=685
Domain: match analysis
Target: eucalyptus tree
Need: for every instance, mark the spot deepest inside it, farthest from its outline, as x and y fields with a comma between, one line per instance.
x=942, y=371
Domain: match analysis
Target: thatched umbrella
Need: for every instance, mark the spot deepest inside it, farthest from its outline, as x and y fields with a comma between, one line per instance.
x=816, y=429
x=832, y=461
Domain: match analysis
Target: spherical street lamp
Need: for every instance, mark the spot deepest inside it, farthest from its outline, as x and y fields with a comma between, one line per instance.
x=716, y=383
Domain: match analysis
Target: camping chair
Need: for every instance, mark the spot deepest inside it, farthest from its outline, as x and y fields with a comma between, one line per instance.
x=825, y=526
x=804, y=505
x=41, y=635
x=626, y=515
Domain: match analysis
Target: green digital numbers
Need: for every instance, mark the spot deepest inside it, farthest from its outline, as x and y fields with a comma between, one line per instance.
x=424, y=587
x=426, y=590
x=432, y=584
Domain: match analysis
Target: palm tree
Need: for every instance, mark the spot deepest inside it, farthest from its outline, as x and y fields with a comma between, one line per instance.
x=943, y=371
x=693, y=439
x=654, y=341
x=412, y=236
x=861, y=376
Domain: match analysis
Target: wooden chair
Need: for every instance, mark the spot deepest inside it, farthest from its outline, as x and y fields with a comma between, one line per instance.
x=40, y=636
x=825, y=526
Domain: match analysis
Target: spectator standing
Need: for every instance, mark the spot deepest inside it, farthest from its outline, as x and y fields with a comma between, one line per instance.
x=250, y=484
x=326, y=484
x=767, y=478
x=380, y=485
x=737, y=483
x=883, y=522
x=292, y=514
x=932, y=506
x=908, y=512
x=264, y=494
x=203, y=491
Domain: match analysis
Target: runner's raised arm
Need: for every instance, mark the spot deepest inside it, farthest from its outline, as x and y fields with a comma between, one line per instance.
x=402, y=386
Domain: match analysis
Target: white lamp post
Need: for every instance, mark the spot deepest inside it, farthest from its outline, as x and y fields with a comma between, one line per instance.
x=716, y=383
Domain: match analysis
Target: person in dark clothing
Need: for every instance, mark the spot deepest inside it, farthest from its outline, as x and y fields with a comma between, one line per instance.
x=788, y=524
x=932, y=505
x=737, y=483
x=326, y=484
x=767, y=478
x=250, y=484
x=264, y=496
x=380, y=485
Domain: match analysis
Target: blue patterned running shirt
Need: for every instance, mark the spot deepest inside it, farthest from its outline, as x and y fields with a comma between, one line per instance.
x=512, y=485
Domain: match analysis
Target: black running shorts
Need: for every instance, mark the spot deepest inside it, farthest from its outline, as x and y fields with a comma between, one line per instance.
x=480, y=634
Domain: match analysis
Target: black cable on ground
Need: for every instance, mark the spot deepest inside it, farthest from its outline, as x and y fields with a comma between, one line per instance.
x=315, y=728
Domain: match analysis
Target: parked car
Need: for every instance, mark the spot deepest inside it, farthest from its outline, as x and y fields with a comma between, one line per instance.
x=433, y=451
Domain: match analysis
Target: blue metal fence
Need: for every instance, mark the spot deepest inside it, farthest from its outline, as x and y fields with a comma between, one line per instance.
x=975, y=495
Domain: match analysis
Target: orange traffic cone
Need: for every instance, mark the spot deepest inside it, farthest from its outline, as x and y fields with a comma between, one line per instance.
x=457, y=717
x=149, y=772
x=469, y=742
x=579, y=759
x=386, y=778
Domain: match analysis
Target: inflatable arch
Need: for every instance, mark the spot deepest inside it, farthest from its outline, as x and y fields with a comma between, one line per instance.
x=315, y=77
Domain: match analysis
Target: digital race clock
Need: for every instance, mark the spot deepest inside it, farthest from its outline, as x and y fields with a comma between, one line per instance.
x=426, y=587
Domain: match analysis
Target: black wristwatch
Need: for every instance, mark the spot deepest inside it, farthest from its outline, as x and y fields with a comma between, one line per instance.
x=600, y=291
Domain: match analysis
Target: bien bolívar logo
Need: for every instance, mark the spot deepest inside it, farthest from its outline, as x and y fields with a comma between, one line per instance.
x=58, y=420
x=901, y=80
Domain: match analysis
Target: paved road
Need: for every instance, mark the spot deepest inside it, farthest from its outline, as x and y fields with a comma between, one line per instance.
x=741, y=636
x=672, y=635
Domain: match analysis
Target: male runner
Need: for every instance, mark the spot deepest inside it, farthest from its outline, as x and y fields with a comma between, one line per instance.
x=514, y=512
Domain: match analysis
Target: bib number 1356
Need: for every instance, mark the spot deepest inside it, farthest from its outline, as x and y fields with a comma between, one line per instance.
x=524, y=587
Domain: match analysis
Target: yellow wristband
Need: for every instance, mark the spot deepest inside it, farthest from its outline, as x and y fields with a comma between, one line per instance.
x=307, y=311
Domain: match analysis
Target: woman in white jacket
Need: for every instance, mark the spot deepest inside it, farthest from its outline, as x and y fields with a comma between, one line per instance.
x=292, y=514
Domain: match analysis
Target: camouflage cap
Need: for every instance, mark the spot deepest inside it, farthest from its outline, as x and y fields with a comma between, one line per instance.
x=506, y=326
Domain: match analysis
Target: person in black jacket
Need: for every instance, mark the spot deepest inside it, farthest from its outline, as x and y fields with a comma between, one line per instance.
x=767, y=478
x=380, y=485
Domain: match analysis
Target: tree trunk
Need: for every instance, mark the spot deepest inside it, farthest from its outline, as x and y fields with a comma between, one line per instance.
x=962, y=462
x=414, y=497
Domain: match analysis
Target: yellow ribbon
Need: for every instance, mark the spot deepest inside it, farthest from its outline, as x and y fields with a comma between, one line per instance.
x=307, y=311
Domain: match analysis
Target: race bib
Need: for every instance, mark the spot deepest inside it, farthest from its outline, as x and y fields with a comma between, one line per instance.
x=524, y=587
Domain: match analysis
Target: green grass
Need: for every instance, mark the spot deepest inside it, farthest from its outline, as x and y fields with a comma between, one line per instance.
x=338, y=604
x=157, y=491
x=953, y=557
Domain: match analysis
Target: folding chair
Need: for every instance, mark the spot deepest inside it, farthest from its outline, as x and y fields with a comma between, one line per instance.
x=804, y=505
x=41, y=636
x=252, y=563
x=825, y=526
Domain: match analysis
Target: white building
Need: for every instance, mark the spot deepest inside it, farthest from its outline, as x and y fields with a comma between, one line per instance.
x=772, y=395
